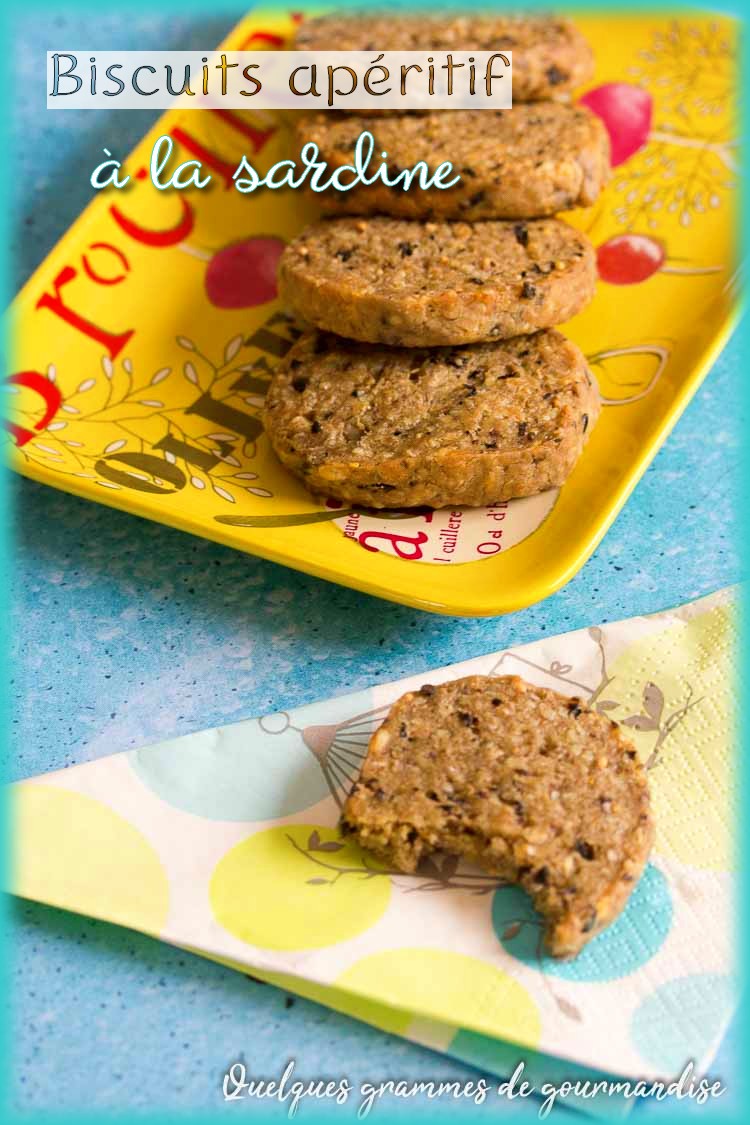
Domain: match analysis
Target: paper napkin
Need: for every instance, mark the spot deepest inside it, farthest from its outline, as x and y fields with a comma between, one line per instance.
x=225, y=842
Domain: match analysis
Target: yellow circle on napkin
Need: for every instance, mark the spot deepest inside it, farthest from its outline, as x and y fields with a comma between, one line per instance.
x=297, y=886
x=677, y=696
x=451, y=987
x=76, y=853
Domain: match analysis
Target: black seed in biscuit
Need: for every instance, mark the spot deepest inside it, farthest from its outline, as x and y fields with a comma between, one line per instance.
x=528, y=162
x=499, y=772
x=459, y=283
x=399, y=428
x=550, y=57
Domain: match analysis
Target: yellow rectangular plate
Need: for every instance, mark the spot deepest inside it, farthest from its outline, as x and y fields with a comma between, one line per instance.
x=144, y=343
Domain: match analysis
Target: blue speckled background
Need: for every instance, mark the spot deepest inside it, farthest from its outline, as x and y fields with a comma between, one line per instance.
x=125, y=632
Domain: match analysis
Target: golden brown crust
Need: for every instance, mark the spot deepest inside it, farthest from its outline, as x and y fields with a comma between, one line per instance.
x=391, y=428
x=528, y=162
x=412, y=284
x=535, y=787
x=550, y=56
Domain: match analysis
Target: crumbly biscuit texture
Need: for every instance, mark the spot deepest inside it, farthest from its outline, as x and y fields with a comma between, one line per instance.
x=550, y=56
x=392, y=427
x=528, y=162
x=535, y=787
x=422, y=284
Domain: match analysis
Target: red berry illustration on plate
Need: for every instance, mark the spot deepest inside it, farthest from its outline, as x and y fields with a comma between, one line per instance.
x=628, y=259
x=242, y=274
x=626, y=111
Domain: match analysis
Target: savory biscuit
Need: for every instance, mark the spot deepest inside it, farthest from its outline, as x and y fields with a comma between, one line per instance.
x=550, y=57
x=528, y=162
x=399, y=428
x=535, y=787
x=414, y=284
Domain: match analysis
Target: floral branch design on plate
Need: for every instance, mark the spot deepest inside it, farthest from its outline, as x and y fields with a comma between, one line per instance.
x=156, y=449
x=672, y=139
x=217, y=381
x=673, y=127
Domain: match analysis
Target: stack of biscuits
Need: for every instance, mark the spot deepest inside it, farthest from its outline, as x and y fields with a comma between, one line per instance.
x=431, y=373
